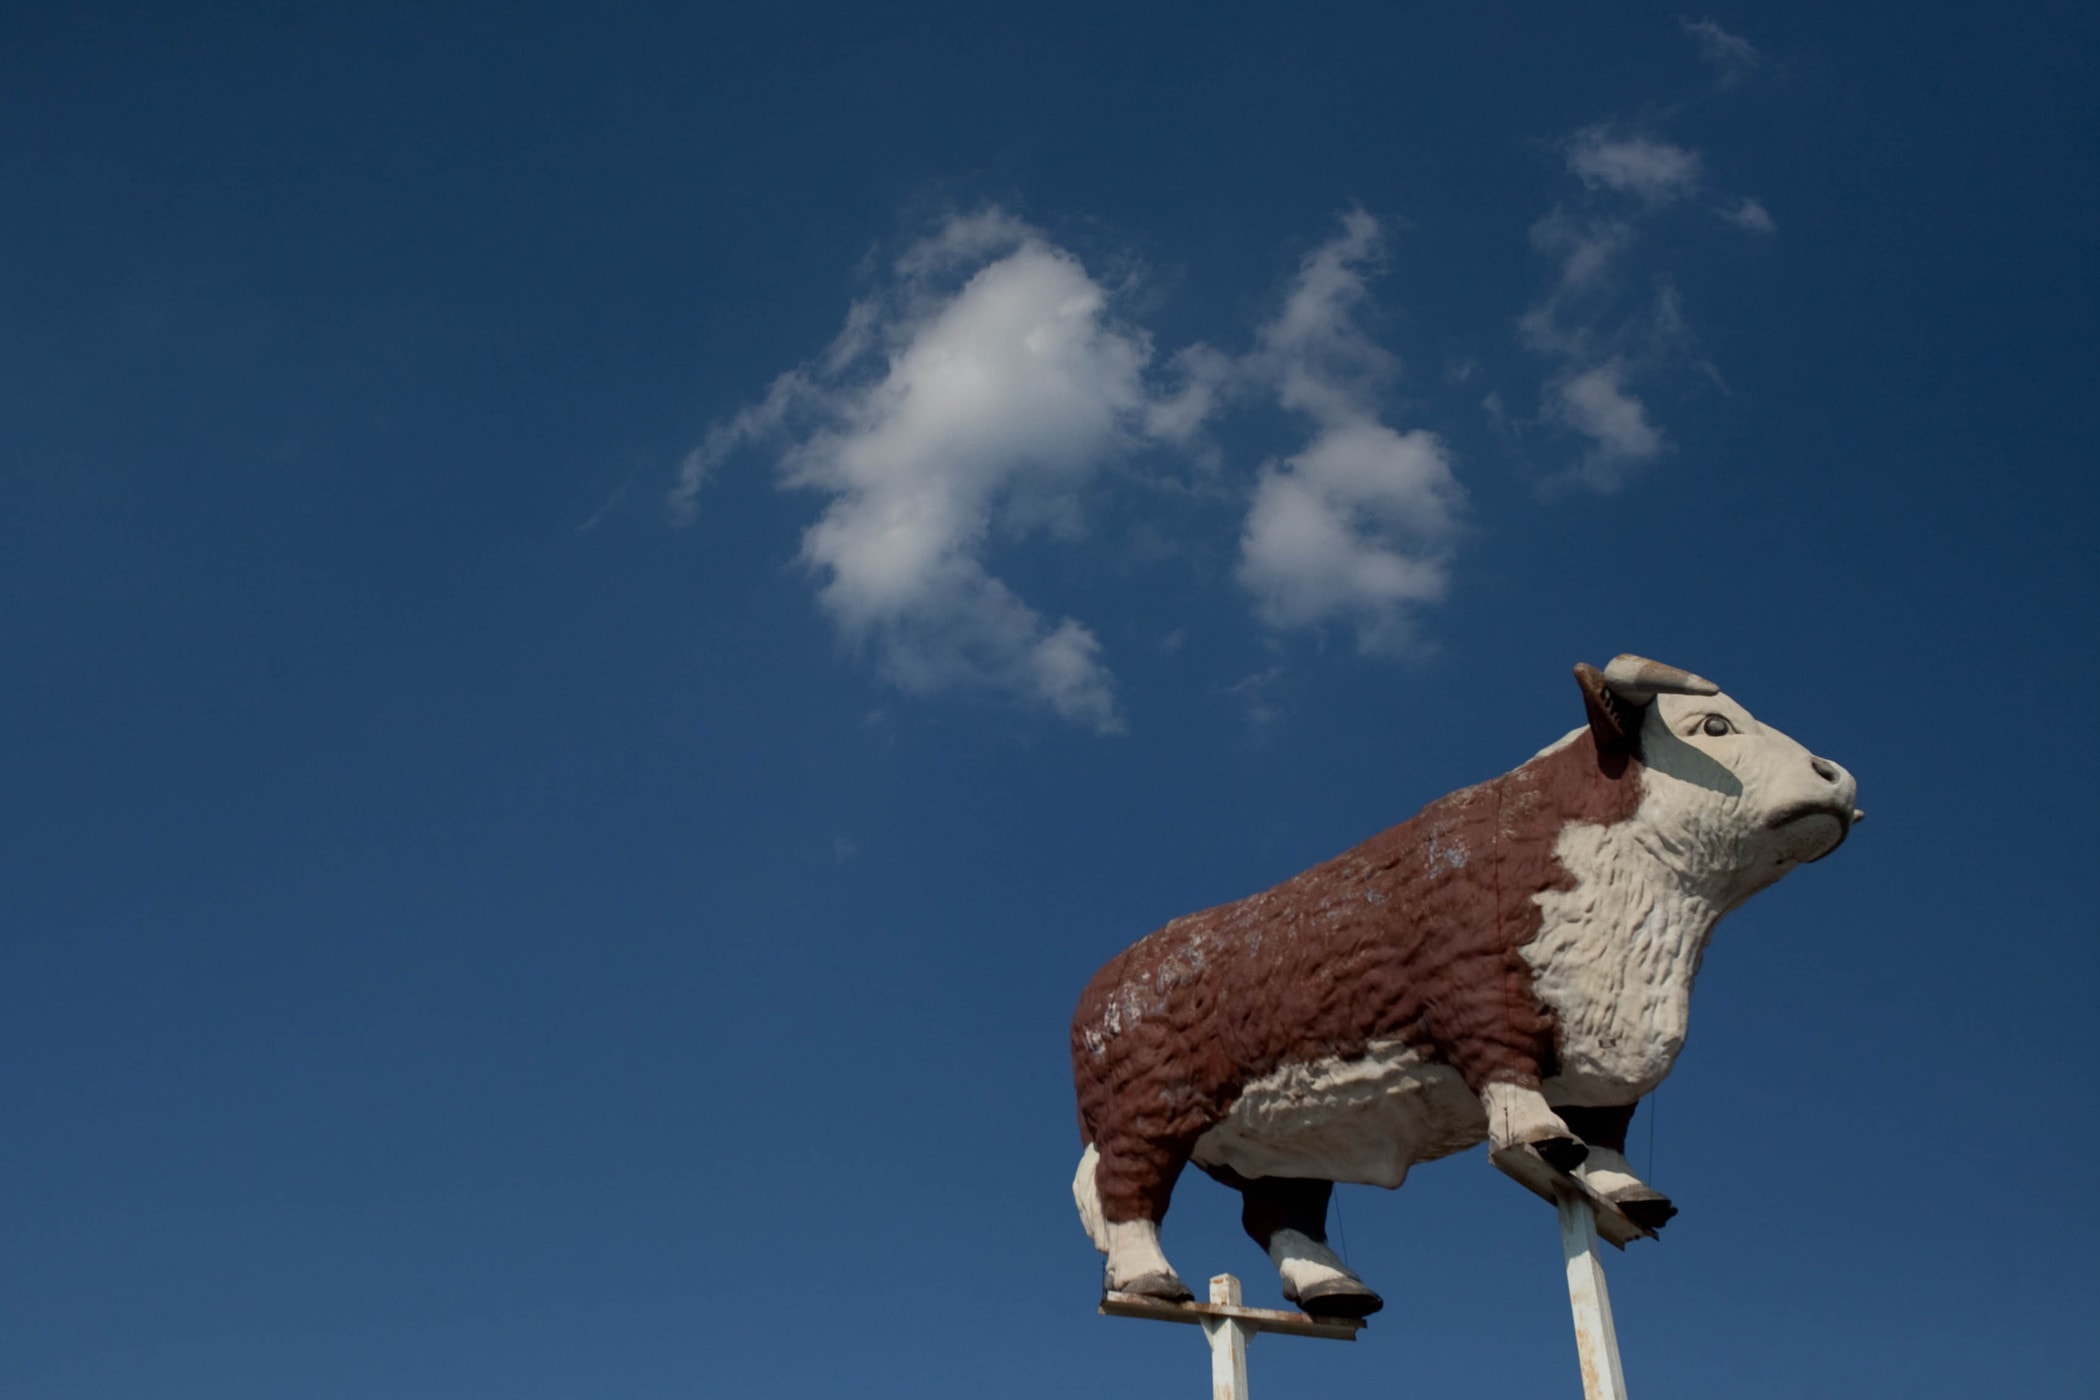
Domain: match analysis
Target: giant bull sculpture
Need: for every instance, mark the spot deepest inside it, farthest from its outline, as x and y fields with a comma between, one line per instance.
x=1513, y=964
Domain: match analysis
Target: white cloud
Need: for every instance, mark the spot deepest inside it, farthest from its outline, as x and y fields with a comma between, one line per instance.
x=975, y=396
x=1655, y=171
x=1751, y=216
x=1596, y=404
x=1331, y=531
x=1354, y=526
x=1731, y=56
x=970, y=399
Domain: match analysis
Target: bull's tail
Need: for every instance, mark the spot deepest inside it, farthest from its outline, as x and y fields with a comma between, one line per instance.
x=1087, y=1196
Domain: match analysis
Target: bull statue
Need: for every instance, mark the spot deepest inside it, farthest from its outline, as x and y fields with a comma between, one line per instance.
x=1513, y=964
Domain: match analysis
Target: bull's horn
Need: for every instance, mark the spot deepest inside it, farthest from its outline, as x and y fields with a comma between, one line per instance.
x=1637, y=680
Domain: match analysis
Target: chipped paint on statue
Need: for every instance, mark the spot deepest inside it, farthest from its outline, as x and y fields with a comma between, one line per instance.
x=1512, y=965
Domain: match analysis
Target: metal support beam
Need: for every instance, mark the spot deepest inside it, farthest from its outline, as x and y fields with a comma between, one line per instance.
x=1228, y=1342
x=1596, y=1342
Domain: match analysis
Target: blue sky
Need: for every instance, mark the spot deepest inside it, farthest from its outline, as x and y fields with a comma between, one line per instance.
x=607, y=614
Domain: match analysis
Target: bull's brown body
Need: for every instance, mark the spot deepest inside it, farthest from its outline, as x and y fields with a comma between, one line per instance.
x=1412, y=936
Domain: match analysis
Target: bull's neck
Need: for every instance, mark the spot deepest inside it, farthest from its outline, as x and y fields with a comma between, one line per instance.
x=1702, y=866
x=1627, y=880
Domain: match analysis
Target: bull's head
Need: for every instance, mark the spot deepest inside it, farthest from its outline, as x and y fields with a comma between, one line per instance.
x=1721, y=792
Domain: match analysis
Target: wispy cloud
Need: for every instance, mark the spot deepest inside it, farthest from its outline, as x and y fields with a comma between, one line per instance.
x=1605, y=342
x=1732, y=57
x=1257, y=692
x=1596, y=349
x=1751, y=216
x=749, y=425
x=605, y=508
x=1655, y=171
x=1609, y=324
x=1354, y=527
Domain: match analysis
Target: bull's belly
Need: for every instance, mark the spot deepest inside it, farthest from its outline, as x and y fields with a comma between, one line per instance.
x=1365, y=1120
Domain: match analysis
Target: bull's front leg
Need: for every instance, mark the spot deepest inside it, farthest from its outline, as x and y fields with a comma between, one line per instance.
x=1518, y=1116
x=1500, y=1042
x=1607, y=1172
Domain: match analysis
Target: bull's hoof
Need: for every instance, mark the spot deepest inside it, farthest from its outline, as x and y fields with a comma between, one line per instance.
x=1646, y=1207
x=1563, y=1154
x=1339, y=1297
x=1163, y=1285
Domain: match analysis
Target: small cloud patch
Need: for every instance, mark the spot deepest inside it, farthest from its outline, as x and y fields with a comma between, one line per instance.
x=1654, y=171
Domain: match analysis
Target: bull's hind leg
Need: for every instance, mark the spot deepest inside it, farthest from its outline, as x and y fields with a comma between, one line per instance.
x=1135, y=1181
x=1287, y=1216
x=1606, y=1170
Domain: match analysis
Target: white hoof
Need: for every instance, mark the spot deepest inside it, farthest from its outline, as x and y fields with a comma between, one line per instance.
x=1136, y=1264
x=1610, y=1175
x=1519, y=1117
x=1316, y=1279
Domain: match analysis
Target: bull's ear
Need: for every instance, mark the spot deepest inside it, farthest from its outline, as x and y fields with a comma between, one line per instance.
x=1615, y=723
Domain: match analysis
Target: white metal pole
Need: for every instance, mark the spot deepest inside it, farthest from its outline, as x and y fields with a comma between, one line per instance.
x=1596, y=1342
x=1228, y=1343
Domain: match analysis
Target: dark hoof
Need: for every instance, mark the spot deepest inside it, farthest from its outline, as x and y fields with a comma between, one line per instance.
x=1651, y=1210
x=1165, y=1287
x=1339, y=1298
x=1563, y=1154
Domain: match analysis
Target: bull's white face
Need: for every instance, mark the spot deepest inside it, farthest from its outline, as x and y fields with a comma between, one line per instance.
x=1734, y=803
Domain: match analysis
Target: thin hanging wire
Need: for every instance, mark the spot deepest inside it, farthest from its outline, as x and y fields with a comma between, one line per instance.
x=1654, y=1098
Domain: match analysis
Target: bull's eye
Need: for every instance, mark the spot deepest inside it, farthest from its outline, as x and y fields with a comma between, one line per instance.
x=1717, y=726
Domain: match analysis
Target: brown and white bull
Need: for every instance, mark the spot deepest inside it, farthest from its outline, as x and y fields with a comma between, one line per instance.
x=1514, y=964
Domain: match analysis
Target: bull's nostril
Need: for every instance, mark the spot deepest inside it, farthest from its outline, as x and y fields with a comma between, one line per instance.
x=1825, y=769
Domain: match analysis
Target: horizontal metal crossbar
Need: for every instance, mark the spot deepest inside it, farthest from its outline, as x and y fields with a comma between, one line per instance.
x=1294, y=1324
x=1531, y=1171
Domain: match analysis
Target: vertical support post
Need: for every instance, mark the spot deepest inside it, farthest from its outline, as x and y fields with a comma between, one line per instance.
x=1596, y=1342
x=1228, y=1343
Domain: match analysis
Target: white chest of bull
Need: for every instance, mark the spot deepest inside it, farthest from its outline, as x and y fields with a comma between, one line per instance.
x=1615, y=957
